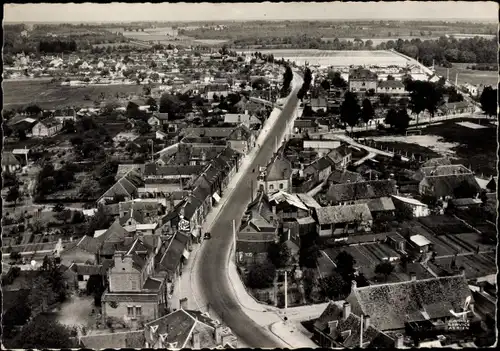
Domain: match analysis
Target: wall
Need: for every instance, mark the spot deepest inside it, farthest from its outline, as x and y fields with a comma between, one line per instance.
x=122, y=277
x=239, y=145
x=358, y=85
x=150, y=310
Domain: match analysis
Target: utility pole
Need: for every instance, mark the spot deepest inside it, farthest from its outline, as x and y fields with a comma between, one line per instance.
x=234, y=236
x=361, y=332
x=286, y=291
x=251, y=190
x=447, y=74
x=456, y=80
x=276, y=143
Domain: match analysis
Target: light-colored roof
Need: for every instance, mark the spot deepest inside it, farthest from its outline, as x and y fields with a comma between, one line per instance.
x=420, y=240
x=305, y=220
x=308, y=200
x=409, y=200
x=292, y=199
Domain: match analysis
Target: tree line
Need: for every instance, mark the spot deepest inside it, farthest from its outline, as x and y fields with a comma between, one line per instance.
x=57, y=46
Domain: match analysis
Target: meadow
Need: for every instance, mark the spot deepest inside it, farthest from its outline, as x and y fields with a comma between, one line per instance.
x=50, y=95
x=469, y=76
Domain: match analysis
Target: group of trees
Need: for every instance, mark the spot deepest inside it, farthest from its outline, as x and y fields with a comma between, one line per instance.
x=398, y=119
x=489, y=100
x=306, y=85
x=287, y=80
x=50, y=180
x=57, y=46
x=351, y=113
x=424, y=96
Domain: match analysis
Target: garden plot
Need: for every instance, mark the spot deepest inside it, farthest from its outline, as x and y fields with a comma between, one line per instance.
x=471, y=125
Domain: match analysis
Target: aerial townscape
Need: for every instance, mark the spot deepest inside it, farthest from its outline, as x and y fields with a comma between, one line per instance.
x=260, y=175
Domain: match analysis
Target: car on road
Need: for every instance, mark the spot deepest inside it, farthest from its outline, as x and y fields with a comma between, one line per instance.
x=207, y=236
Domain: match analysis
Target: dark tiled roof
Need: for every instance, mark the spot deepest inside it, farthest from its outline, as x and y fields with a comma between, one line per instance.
x=279, y=169
x=172, y=255
x=253, y=246
x=305, y=123
x=343, y=214
x=381, y=204
x=129, y=339
x=129, y=297
x=362, y=74
x=337, y=154
x=361, y=190
x=341, y=177
x=440, y=161
x=391, y=84
x=445, y=185
x=391, y=305
x=115, y=234
x=87, y=269
x=8, y=159
x=89, y=244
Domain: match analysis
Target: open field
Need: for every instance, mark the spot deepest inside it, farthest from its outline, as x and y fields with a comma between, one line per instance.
x=52, y=95
x=469, y=76
x=407, y=149
x=475, y=265
x=327, y=58
x=210, y=41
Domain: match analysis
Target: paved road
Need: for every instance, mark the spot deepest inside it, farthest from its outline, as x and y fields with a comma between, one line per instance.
x=213, y=256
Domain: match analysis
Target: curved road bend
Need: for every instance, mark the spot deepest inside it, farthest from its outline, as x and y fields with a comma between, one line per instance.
x=213, y=281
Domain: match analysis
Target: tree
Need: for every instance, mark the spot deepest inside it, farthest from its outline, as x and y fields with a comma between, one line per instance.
x=43, y=332
x=345, y=266
x=260, y=83
x=287, y=79
x=107, y=169
x=69, y=126
x=59, y=207
x=390, y=77
x=9, y=179
x=391, y=117
x=367, y=112
x=488, y=101
x=153, y=105
x=17, y=315
x=13, y=195
x=279, y=254
x=332, y=286
x=100, y=220
x=261, y=276
x=308, y=255
x=350, y=110
x=64, y=216
x=384, y=268
x=465, y=190
x=171, y=105
x=325, y=85
x=132, y=110
x=88, y=188
x=41, y=295
x=336, y=79
x=142, y=127
x=33, y=109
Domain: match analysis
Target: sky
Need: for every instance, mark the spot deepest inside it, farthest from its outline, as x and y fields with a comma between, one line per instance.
x=125, y=12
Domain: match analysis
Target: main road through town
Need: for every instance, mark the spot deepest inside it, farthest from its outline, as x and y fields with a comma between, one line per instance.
x=212, y=261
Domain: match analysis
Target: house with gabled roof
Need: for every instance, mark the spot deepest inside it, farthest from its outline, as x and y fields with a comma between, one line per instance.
x=137, y=292
x=342, y=220
x=392, y=306
x=341, y=157
x=172, y=256
x=125, y=187
x=184, y=328
x=83, y=250
x=157, y=120
x=46, y=128
x=339, y=327
x=277, y=175
x=10, y=163
x=350, y=193
x=340, y=176
x=319, y=169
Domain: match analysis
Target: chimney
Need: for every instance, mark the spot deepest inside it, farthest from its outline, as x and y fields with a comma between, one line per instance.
x=183, y=303
x=246, y=112
x=218, y=334
x=346, y=310
x=399, y=342
x=413, y=276
x=332, y=327
x=196, y=340
x=481, y=288
x=366, y=322
x=462, y=271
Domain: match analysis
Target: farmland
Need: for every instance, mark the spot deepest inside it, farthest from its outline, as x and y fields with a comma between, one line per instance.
x=52, y=95
x=327, y=58
x=469, y=76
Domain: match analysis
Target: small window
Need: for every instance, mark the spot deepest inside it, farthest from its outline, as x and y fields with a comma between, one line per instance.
x=281, y=185
x=270, y=218
x=138, y=310
x=130, y=311
x=271, y=187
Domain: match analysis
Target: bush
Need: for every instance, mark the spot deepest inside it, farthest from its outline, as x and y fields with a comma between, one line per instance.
x=261, y=276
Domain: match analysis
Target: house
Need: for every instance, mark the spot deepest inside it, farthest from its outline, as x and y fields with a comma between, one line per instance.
x=136, y=292
x=392, y=306
x=441, y=170
x=254, y=237
x=341, y=157
x=83, y=272
x=338, y=327
x=157, y=120
x=417, y=208
x=188, y=329
x=348, y=193
x=241, y=139
x=303, y=126
x=172, y=256
x=362, y=80
x=277, y=175
x=124, y=189
x=319, y=103
x=453, y=185
x=63, y=115
x=46, y=128
x=136, y=212
x=84, y=251
x=287, y=207
x=246, y=119
x=391, y=87
x=340, y=176
x=420, y=242
x=10, y=163
x=340, y=220
x=319, y=169
x=452, y=108
x=381, y=207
